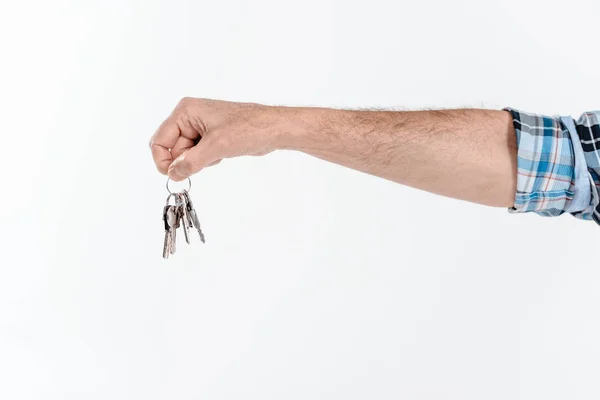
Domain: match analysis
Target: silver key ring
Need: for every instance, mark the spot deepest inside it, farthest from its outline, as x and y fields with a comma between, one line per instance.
x=188, y=189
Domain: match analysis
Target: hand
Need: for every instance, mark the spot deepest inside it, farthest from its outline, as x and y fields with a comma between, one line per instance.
x=200, y=133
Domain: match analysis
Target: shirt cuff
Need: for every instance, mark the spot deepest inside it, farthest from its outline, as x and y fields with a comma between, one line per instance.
x=582, y=191
x=546, y=166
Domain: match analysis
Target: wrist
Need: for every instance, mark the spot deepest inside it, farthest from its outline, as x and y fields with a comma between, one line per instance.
x=294, y=128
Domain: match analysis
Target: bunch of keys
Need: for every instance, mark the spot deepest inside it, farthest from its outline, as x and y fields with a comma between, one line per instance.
x=179, y=214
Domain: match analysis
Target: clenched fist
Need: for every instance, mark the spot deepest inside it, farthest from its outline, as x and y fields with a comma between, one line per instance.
x=200, y=133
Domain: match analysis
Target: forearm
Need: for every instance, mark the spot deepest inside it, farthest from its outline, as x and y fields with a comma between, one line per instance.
x=548, y=165
x=464, y=154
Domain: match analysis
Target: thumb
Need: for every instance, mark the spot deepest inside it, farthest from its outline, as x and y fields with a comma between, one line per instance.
x=192, y=161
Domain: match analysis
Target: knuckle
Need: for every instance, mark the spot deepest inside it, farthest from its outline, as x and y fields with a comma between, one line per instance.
x=185, y=102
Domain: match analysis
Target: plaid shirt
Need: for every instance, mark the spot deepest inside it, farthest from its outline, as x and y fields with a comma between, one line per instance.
x=558, y=165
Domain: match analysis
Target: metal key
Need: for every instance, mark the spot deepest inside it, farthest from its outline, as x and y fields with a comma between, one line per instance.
x=174, y=224
x=167, y=219
x=193, y=215
x=189, y=218
x=170, y=220
x=166, y=245
x=185, y=217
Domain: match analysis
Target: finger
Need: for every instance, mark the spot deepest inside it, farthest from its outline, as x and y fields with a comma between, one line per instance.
x=194, y=160
x=164, y=139
x=182, y=145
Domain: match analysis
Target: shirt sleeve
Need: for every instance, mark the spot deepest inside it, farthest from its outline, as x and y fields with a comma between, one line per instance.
x=558, y=165
x=588, y=132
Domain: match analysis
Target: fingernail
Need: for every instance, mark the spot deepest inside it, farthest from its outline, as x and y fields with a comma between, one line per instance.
x=176, y=169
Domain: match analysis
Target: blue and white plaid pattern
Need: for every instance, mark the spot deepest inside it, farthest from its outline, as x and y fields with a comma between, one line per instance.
x=553, y=170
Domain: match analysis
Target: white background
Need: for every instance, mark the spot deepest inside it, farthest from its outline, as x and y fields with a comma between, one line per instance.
x=316, y=282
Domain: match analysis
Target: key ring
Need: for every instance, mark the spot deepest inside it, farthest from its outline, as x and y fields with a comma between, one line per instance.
x=189, y=186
